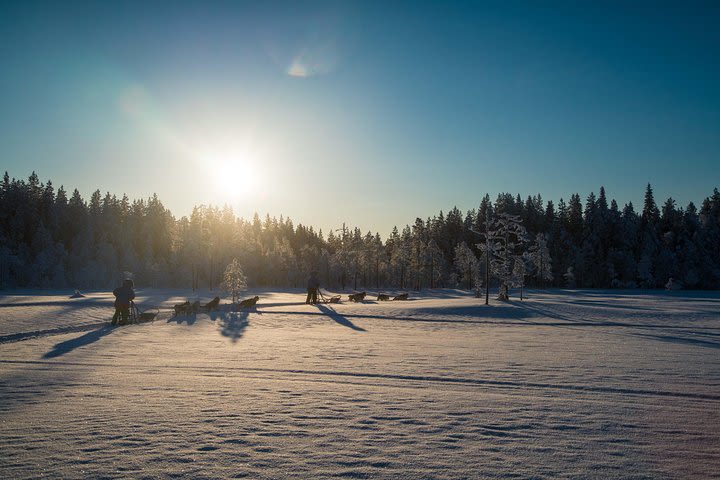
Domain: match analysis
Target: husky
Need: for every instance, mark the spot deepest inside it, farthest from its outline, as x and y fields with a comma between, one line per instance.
x=357, y=297
x=212, y=305
x=182, y=308
x=249, y=302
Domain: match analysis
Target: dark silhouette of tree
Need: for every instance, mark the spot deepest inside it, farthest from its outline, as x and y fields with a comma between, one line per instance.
x=51, y=238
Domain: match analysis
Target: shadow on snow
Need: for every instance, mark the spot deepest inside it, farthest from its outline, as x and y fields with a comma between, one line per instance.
x=232, y=324
x=341, y=319
x=69, y=345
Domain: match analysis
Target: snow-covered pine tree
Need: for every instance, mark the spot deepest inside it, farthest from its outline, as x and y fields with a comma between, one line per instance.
x=466, y=264
x=435, y=261
x=507, y=236
x=234, y=280
x=417, y=260
x=380, y=259
x=399, y=247
x=518, y=274
x=539, y=257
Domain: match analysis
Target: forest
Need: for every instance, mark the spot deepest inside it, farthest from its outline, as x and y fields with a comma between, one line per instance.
x=49, y=239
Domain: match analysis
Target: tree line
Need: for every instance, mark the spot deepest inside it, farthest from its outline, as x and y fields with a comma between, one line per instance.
x=49, y=238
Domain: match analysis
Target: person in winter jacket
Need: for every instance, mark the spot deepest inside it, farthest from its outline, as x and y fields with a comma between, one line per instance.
x=312, y=288
x=123, y=296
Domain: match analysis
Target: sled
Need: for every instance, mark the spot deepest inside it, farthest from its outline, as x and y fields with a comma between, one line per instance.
x=136, y=315
x=330, y=299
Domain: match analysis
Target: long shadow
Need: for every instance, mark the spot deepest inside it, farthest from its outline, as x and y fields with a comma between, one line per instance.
x=514, y=311
x=233, y=324
x=607, y=304
x=69, y=345
x=75, y=302
x=281, y=304
x=681, y=340
x=342, y=320
x=419, y=319
x=578, y=322
x=19, y=337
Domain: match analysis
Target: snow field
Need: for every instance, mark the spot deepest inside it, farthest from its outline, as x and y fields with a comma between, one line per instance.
x=564, y=385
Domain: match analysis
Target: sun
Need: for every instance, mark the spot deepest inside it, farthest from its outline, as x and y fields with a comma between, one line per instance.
x=235, y=174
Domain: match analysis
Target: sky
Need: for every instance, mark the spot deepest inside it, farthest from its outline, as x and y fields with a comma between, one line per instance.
x=370, y=113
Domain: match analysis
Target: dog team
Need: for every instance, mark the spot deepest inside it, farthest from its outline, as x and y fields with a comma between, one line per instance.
x=125, y=294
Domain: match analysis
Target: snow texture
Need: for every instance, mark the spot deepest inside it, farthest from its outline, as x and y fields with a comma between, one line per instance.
x=583, y=384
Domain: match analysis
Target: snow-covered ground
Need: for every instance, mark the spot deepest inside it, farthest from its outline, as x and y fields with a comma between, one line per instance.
x=562, y=385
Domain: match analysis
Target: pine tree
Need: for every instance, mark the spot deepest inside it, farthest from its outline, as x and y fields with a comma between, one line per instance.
x=466, y=264
x=539, y=257
x=507, y=236
x=518, y=274
x=401, y=257
x=234, y=280
x=435, y=262
x=650, y=213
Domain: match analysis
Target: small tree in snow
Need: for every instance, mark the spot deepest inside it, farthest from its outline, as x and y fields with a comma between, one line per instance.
x=234, y=280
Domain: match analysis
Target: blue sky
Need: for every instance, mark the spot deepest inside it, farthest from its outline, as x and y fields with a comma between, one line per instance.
x=371, y=113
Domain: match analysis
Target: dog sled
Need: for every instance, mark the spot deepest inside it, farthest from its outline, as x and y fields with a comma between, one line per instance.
x=135, y=315
x=329, y=298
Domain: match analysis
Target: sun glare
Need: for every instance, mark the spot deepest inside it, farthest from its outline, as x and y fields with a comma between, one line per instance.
x=235, y=175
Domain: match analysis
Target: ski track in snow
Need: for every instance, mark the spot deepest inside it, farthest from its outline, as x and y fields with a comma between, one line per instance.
x=585, y=384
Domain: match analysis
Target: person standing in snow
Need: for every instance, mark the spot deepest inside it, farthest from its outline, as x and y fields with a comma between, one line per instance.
x=123, y=296
x=312, y=288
